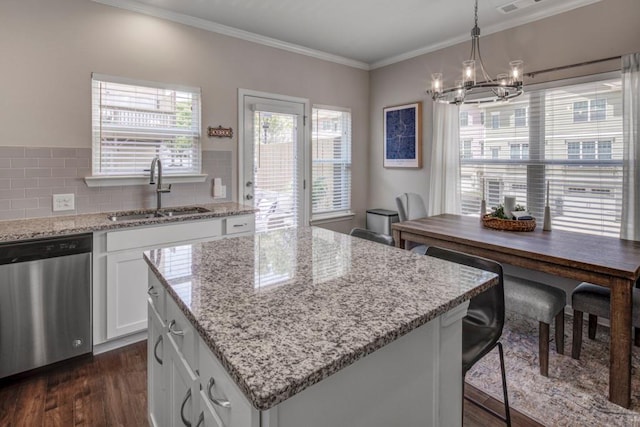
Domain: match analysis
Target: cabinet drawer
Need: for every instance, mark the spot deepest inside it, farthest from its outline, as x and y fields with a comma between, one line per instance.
x=182, y=333
x=163, y=235
x=222, y=394
x=157, y=296
x=239, y=224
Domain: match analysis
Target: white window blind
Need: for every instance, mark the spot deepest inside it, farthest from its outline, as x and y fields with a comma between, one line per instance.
x=331, y=161
x=134, y=121
x=570, y=138
x=275, y=169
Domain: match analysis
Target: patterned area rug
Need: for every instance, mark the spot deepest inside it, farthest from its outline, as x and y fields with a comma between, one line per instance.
x=575, y=394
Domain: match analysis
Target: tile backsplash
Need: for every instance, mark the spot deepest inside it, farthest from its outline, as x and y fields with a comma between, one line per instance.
x=30, y=176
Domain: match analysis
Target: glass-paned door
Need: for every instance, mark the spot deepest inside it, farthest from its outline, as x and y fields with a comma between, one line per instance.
x=273, y=161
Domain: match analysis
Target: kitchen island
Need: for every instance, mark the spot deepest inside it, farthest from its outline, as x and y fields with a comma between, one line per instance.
x=305, y=327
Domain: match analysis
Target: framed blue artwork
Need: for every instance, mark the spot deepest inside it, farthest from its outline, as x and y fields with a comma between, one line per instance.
x=403, y=136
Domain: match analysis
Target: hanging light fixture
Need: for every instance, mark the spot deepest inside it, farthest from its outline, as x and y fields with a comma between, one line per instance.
x=469, y=90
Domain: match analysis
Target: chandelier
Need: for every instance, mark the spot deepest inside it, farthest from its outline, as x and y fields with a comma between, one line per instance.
x=470, y=91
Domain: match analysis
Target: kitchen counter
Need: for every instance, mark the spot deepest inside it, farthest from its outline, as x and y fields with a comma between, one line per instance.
x=72, y=224
x=285, y=310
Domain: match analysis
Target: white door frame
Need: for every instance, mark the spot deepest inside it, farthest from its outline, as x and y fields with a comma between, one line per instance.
x=306, y=143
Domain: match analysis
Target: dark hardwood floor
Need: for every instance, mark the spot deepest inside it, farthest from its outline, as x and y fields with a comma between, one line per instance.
x=111, y=390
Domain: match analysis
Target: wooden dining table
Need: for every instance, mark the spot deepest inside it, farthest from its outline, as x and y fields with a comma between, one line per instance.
x=606, y=261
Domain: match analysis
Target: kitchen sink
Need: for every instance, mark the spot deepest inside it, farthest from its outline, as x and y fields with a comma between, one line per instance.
x=164, y=213
x=183, y=211
x=141, y=215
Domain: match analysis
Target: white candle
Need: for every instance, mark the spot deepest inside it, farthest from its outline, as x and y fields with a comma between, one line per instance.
x=547, y=193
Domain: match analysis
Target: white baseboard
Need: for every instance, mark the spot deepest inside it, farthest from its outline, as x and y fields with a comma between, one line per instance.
x=120, y=342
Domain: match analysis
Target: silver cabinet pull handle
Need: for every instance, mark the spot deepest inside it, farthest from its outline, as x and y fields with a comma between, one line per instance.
x=200, y=419
x=184, y=402
x=175, y=332
x=240, y=225
x=222, y=403
x=151, y=291
x=155, y=349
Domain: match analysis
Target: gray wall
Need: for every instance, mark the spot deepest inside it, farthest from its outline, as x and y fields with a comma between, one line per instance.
x=50, y=48
x=601, y=30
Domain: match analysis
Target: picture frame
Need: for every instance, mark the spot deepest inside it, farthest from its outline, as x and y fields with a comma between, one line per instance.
x=403, y=136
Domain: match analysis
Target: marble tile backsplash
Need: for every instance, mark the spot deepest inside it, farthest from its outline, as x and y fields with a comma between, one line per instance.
x=30, y=176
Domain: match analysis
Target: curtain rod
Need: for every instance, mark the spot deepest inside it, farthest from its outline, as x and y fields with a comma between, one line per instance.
x=564, y=67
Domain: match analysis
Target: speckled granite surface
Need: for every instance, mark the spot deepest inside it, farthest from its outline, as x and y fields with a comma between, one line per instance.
x=73, y=224
x=284, y=310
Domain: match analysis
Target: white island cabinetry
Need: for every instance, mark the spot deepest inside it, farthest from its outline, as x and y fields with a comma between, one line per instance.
x=307, y=327
x=187, y=384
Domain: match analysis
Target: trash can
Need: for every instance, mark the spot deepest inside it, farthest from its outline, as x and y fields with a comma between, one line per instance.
x=380, y=220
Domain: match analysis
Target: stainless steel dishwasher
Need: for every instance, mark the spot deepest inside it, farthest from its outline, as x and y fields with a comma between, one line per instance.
x=45, y=302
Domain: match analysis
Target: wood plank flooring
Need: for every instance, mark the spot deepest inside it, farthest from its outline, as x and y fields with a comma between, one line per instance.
x=111, y=390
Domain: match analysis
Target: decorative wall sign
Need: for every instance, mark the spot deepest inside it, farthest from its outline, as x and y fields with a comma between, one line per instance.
x=403, y=136
x=220, y=132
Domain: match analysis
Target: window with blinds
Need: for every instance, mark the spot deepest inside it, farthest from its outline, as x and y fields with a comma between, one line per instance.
x=331, y=161
x=135, y=121
x=568, y=137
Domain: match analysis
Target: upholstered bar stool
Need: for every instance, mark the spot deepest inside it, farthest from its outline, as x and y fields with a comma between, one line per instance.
x=543, y=303
x=595, y=300
x=482, y=326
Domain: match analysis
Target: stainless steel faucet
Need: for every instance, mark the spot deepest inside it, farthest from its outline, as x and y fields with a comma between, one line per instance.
x=160, y=188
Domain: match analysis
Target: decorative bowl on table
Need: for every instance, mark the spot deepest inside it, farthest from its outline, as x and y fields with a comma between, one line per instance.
x=496, y=223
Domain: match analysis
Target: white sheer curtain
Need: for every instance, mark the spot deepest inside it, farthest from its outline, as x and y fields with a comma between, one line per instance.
x=630, y=224
x=444, y=182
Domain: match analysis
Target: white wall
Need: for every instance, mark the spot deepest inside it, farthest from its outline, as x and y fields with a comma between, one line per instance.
x=601, y=30
x=49, y=48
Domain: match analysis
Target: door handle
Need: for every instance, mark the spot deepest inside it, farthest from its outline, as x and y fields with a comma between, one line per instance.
x=249, y=197
x=185, y=421
x=249, y=183
x=155, y=349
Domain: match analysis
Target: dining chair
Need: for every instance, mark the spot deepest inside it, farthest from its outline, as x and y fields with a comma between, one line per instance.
x=363, y=233
x=411, y=206
x=595, y=300
x=540, y=302
x=482, y=326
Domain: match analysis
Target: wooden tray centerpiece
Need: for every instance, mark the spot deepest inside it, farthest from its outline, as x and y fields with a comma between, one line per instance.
x=499, y=221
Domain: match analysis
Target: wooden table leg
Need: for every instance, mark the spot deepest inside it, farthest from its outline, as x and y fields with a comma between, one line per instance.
x=397, y=238
x=620, y=343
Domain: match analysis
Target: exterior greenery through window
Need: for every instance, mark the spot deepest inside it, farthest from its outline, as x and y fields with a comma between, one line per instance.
x=134, y=121
x=569, y=136
x=331, y=162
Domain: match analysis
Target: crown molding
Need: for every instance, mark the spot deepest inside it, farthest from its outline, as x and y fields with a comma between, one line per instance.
x=214, y=27
x=204, y=24
x=565, y=6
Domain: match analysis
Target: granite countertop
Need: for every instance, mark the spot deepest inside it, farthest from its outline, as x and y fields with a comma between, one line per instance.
x=285, y=309
x=73, y=224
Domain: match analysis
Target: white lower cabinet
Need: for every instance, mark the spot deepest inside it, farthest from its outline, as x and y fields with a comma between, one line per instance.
x=125, y=313
x=183, y=396
x=120, y=273
x=187, y=385
x=222, y=395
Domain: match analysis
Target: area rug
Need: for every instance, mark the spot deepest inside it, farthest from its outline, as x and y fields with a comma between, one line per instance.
x=574, y=394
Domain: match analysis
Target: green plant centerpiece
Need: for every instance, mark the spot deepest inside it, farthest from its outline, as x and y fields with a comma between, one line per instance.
x=498, y=211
